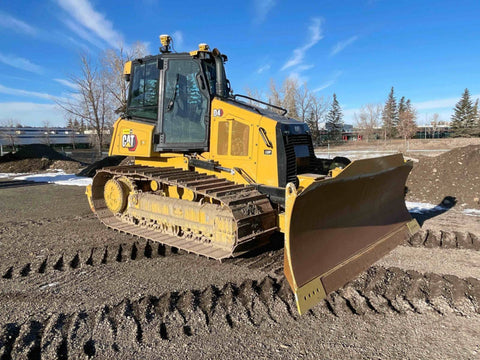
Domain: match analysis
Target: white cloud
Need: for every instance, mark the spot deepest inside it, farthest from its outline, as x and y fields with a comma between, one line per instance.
x=67, y=83
x=314, y=37
x=177, y=39
x=343, y=44
x=83, y=33
x=263, y=68
x=349, y=114
x=12, y=23
x=26, y=93
x=325, y=85
x=330, y=82
x=440, y=103
x=20, y=63
x=32, y=114
x=262, y=8
x=295, y=75
x=147, y=44
x=86, y=16
x=305, y=67
x=77, y=43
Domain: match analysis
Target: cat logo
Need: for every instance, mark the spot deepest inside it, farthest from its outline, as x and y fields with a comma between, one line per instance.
x=129, y=140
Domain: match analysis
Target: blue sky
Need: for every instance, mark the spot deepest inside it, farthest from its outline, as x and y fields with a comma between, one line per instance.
x=427, y=50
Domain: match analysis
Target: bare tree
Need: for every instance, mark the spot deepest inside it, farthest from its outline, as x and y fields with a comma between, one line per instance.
x=46, y=133
x=9, y=133
x=112, y=62
x=303, y=99
x=91, y=101
x=254, y=94
x=434, y=125
x=73, y=128
x=275, y=98
x=318, y=108
x=290, y=90
x=367, y=121
x=407, y=126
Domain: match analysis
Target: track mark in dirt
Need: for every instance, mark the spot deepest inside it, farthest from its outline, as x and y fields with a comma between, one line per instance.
x=8, y=274
x=205, y=311
x=267, y=260
x=444, y=239
x=91, y=257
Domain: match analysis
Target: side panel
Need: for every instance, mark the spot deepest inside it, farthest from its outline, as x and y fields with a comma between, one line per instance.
x=236, y=142
x=131, y=138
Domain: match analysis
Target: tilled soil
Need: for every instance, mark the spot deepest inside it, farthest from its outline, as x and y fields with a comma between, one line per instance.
x=70, y=288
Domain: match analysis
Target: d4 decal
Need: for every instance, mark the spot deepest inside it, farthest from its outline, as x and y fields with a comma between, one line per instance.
x=217, y=112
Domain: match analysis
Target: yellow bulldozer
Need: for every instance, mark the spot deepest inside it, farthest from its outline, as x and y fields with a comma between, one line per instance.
x=218, y=176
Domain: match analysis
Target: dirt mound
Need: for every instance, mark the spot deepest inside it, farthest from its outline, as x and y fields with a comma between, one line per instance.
x=108, y=161
x=455, y=173
x=35, y=151
x=36, y=157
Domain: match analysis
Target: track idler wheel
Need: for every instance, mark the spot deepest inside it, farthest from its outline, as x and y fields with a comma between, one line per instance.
x=115, y=194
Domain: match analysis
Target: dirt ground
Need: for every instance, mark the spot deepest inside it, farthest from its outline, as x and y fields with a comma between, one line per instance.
x=71, y=288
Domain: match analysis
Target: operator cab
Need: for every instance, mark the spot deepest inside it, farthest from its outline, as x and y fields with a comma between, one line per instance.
x=182, y=86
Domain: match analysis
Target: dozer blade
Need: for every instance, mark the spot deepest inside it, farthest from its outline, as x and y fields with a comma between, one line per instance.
x=336, y=228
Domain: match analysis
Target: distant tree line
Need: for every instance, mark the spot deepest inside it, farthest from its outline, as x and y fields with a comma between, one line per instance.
x=392, y=120
x=100, y=92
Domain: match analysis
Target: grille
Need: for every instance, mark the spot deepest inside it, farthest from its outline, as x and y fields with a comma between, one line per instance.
x=290, y=141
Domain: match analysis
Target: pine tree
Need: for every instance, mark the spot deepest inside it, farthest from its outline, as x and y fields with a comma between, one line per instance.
x=476, y=120
x=390, y=116
x=334, y=121
x=463, y=118
x=402, y=107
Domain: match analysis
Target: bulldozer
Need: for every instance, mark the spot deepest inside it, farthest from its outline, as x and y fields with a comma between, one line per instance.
x=218, y=174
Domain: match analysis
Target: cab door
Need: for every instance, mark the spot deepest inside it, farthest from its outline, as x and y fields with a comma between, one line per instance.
x=184, y=119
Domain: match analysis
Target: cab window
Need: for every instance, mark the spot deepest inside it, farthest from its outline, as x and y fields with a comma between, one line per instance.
x=143, y=101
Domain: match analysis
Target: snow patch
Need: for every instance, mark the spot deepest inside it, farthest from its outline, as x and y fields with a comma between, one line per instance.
x=471, y=212
x=58, y=177
x=8, y=175
x=422, y=208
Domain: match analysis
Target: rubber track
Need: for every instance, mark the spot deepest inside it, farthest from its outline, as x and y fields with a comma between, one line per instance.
x=110, y=329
